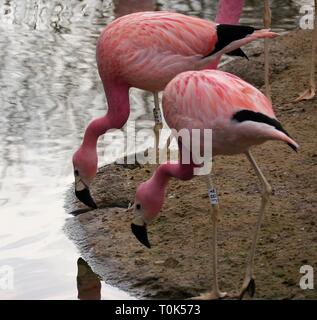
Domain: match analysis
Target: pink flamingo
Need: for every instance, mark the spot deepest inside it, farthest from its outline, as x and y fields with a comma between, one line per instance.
x=240, y=117
x=146, y=50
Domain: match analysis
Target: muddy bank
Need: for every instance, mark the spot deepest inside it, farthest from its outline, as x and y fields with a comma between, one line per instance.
x=179, y=264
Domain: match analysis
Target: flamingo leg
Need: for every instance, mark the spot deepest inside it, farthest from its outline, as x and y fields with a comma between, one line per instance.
x=249, y=283
x=215, y=293
x=311, y=91
x=158, y=126
x=267, y=24
x=158, y=123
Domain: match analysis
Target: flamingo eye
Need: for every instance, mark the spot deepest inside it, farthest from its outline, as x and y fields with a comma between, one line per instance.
x=138, y=206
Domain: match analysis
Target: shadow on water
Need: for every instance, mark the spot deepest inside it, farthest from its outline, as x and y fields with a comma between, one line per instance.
x=88, y=283
x=49, y=91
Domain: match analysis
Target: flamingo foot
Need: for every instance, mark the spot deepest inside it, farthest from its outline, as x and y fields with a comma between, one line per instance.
x=306, y=95
x=247, y=287
x=213, y=295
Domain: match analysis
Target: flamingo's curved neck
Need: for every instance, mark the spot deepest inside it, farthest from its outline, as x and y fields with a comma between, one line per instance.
x=167, y=171
x=229, y=11
x=117, y=115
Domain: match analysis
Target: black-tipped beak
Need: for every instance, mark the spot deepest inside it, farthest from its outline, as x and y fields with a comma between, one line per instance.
x=85, y=197
x=140, y=233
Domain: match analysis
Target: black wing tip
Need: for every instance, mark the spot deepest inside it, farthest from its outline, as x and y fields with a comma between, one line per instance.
x=238, y=27
x=293, y=147
x=227, y=33
x=249, y=115
x=238, y=53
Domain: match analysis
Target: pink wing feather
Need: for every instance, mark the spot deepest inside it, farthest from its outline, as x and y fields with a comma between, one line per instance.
x=134, y=47
x=210, y=96
x=209, y=99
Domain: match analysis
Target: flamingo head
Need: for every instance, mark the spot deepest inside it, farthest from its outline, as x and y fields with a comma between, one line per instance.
x=85, y=165
x=148, y=202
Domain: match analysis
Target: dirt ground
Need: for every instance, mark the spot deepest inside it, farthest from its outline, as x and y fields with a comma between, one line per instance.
x=179, y=263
